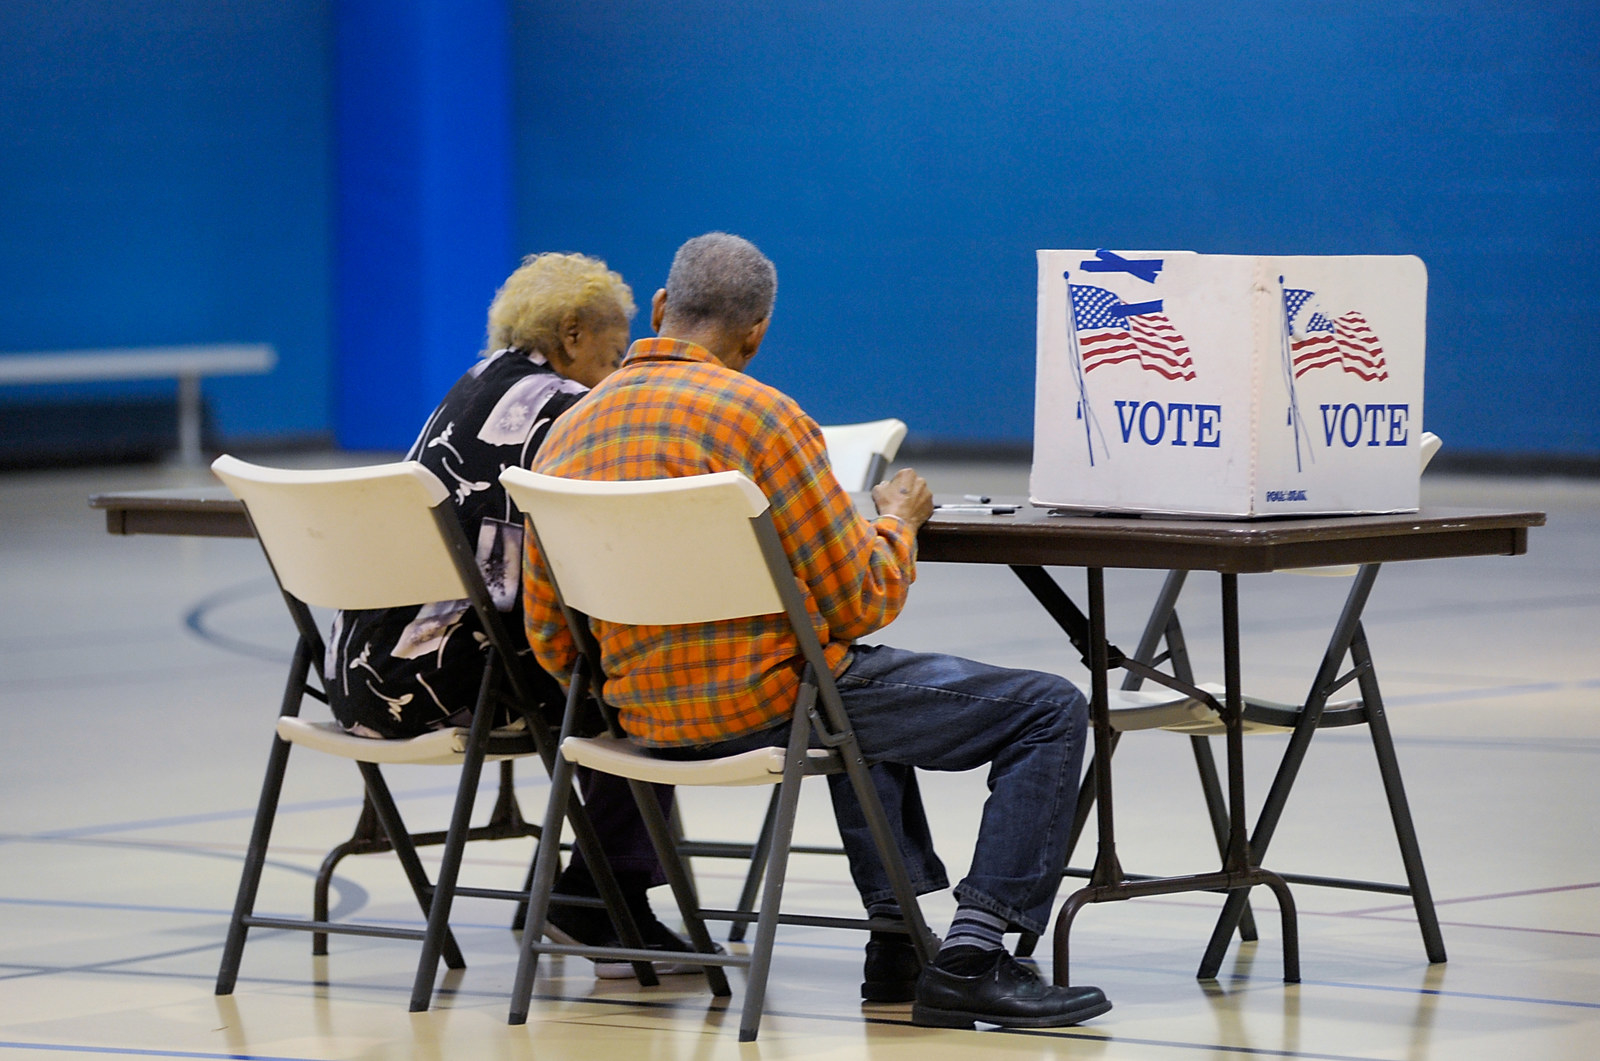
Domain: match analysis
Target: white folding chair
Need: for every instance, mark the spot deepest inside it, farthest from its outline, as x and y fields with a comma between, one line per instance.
x=380, y=537
x=859, y=454
x=603, y=544
x=1135, y=709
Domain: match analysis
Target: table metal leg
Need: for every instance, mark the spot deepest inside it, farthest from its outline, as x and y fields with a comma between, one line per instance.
x=1326, y=682
x=368, y=837
x=1107, y=870
x=1237, y=875
x=1163, y=626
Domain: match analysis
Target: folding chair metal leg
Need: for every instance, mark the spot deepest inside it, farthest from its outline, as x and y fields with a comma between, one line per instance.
x=772, y=895
x=444, y=885
x=561, y=808
x=519, y=920
x=585, y=839
x=758, y=866
x=878, y=824
x=255, y=858
x=405, y=851
x=1399, y=808
x=545, y=860
x=1163, y=626
x=683, y=889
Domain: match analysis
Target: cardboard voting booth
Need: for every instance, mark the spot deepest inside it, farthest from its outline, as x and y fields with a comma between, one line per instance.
x=1228, y=385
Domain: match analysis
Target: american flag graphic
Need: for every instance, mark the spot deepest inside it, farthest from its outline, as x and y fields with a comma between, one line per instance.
x=1108, y=334
x=1317, y=342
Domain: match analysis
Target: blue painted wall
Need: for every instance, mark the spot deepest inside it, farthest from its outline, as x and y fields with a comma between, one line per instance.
x=901, y=160
x=165, y=178
x=168, y=174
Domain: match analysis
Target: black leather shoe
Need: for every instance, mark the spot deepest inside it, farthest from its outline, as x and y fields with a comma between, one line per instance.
x=1008, y=994
x=891, y=970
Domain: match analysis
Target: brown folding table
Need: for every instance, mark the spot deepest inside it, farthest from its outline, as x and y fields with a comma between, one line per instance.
x=1032, y=539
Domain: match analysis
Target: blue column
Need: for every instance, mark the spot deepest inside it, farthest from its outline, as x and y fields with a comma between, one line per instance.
x=422, y=104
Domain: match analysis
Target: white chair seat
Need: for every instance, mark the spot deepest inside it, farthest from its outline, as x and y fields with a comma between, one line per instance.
x=1164, y=709
x=1154, y=709
x=443, y=747
x=615, y=755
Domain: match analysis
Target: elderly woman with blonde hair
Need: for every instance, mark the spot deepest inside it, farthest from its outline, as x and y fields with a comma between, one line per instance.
x=557, y=326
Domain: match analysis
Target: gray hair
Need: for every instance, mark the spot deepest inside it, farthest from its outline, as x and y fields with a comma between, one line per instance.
x=721, y=279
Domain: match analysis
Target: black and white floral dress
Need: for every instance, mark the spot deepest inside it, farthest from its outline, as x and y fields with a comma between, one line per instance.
x=400, y=672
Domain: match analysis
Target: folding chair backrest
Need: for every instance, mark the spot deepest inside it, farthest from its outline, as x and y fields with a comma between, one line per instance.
x=657, y=552
x=1430, y=444
x=860, y=452
x=349, y=537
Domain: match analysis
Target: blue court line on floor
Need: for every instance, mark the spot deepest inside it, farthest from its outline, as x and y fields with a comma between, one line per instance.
x=1535, y=745
x=137, y=908
x=1402, y=919
x=1519, y=894
x=1375, y=616
x=1205, y=620
x=196, y=619
x=130, y=1051
x=1441, y=993
x=205, y=672
x=698, y=1004
x=1111, y=1039
x=123, y=908
x=1108, y=1037
x=445, y=990
x=225, y=815
x=1373, y=914
x=27, y=972
x=1489, y=692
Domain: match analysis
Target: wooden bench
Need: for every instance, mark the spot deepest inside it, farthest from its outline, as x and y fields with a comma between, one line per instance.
x=186, y=364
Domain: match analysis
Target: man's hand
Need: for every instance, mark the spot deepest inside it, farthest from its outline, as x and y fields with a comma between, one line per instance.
x=906, y=495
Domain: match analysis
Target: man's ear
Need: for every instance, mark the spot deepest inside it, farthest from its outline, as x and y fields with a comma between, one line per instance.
x=658, y=310
x=752, y=339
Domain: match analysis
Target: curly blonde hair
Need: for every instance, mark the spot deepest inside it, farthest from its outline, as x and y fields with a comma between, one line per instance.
x=527, y=311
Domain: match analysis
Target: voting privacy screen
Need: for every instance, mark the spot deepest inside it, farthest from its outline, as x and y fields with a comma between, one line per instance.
x=1228, y=385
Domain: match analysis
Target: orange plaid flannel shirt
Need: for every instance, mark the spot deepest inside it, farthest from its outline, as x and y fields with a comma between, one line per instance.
x=673, y=410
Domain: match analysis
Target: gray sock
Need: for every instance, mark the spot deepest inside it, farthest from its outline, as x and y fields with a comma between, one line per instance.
x=974, y=931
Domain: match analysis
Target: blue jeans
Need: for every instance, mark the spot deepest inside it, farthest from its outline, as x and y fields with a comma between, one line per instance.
x=938, y=712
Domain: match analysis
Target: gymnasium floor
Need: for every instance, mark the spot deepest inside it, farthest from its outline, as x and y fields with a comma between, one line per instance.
x=141, y=676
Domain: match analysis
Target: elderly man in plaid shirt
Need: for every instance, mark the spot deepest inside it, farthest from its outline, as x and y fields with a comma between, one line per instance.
x=682, y=405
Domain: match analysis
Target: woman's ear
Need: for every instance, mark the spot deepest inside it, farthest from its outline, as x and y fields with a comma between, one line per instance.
x=570, y=334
